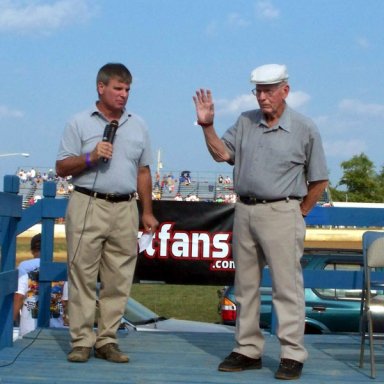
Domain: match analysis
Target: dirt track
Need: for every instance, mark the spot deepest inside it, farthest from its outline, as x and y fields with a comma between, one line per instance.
x=59, y=231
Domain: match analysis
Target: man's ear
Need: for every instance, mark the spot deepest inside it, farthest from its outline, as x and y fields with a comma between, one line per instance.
x=100, y=87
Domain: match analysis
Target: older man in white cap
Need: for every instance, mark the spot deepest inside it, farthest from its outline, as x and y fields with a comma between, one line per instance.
x=279, y=174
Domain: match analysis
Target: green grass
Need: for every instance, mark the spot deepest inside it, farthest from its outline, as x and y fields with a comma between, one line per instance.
x=187, y=302
x=23, y=249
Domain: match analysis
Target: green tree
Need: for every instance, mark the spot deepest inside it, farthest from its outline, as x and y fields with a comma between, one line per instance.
x=337, y=195
x=360, y=180
x=380, y=182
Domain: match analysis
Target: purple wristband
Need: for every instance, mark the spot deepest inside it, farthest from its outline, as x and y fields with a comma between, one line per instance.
x=88, y=160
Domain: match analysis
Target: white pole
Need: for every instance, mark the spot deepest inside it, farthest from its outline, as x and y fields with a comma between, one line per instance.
x=159, y=165
x=14, y=154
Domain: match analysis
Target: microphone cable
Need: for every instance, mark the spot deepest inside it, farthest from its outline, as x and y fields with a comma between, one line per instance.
x=108, y=135
x=22, y=350
x=84, y=222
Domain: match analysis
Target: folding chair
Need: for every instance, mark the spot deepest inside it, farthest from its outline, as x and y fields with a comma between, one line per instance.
x=373, y=254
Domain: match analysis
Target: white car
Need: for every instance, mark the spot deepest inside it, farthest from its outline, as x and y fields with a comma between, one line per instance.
x=137, y=317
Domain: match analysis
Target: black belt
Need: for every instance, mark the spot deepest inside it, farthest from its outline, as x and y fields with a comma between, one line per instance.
x=251, y=200
x=112, y=197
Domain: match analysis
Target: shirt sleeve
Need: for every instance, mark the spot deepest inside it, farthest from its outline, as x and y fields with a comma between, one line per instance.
x=146, y=156
x=65, y=291
x=317, y=166
x=229, y=139
x=70, y=144
x=22, y=285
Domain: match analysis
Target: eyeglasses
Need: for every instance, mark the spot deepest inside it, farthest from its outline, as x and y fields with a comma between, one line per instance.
x=268, y=92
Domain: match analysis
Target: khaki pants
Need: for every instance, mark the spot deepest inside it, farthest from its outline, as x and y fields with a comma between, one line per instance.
x=269, y=234
x=101, y=241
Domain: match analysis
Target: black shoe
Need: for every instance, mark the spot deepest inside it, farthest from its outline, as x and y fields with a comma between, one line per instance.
x=289, y=370
x=235, y=362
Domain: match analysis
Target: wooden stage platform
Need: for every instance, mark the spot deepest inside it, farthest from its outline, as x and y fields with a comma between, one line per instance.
x=182, y=358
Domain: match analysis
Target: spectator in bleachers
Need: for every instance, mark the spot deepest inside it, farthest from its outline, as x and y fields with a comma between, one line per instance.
x=170, y=184
x=220, y=199
x=156, y=195
x=192, y=197
x=157, y=180
x=178, y=197
x=164, y=182
x=22, y=175
x=185, y=177
x=51, y=174
x=32, y=173
x=61, y=189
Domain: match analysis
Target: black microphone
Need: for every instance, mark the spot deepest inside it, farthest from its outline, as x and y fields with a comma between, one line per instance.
x=109, y=134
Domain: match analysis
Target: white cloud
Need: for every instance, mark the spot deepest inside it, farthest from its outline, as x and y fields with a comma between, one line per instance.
x=247, y=102
x=345, y=148
x=357, y=107
x=296, y=99
x=236, y=20
x=6, y=112
x=266, y=10
x=212, y=29
x=344, y=132
x=43, y=16
x=236, y=106
x=363, y=43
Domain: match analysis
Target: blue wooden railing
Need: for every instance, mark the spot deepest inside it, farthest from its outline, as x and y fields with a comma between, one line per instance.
x=14, y=220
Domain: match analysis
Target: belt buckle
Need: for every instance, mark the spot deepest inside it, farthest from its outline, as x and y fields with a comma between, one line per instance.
x=110, y=196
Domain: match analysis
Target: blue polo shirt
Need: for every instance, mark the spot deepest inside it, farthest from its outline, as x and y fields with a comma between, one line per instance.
x=273, y=163
x=131, y=149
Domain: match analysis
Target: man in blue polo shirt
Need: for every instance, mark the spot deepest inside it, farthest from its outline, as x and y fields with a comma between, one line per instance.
x=102, y=216
x=279, y=174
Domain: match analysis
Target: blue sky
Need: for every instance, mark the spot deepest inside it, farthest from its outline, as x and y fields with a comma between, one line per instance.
x=52, y=50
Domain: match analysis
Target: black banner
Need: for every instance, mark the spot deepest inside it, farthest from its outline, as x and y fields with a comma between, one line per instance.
x=191, y=246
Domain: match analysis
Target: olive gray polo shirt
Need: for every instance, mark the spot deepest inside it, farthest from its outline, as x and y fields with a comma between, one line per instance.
x=277, y=162
x=131, y=149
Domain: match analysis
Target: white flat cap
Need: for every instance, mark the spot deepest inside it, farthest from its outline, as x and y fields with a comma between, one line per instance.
x=269, y=74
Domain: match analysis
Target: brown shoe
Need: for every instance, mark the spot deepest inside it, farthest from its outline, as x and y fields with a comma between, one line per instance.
x=79, y=354
x=111, y=352
x=236, y=362
x=289, y=370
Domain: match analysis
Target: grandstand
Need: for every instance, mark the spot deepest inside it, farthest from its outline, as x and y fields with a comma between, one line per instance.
x=206, y=186
x=31, y=184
